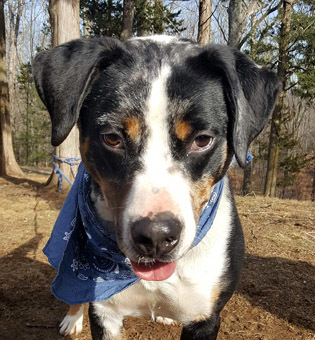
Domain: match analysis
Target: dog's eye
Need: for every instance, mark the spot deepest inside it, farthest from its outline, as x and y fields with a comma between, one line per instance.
x=113, y=140
x=201, y=143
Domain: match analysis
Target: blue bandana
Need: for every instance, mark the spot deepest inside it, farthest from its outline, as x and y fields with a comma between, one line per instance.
x=84, y=251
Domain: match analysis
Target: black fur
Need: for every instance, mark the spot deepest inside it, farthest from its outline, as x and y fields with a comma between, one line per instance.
x=202, y=330
x=64, y=76
x=97, y=331
x=250, y=92
x=99, y=83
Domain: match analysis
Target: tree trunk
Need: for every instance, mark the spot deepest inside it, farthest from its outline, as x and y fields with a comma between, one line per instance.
x=15, y=12
x=129, y=13
x=246, y=187
x=8, y=164
x=275, y=131
x=236, y=21
x=204, y=25
x=313, y=189
x=65, y=25
x=273, y=150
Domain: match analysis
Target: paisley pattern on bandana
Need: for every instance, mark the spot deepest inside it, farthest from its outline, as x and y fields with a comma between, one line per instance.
x=83, y=248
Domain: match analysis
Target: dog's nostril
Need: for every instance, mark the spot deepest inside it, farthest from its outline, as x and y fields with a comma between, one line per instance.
x=144, y=243
x=170, y=240
x=156, y=237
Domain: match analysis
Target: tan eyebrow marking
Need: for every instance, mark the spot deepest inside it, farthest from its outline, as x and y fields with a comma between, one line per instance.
x=133, y=127
x=182, y=129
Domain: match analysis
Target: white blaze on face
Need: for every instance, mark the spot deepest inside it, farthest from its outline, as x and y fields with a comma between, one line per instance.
x=159, y=187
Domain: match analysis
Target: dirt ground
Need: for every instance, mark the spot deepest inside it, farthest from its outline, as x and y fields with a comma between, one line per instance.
x=275, y=298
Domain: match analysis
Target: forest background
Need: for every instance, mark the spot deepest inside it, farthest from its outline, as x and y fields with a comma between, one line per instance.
x=279, y=34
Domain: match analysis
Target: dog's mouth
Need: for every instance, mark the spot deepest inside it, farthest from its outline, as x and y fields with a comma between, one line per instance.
x=157, y=271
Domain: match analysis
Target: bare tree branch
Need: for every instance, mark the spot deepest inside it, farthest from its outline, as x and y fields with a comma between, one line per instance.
x=271, y=10
x=221, y=29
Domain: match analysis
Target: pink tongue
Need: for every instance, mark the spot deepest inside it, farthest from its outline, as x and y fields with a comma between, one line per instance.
x=159, y=271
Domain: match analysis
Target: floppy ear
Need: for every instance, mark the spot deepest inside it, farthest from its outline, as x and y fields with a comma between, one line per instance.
x=251, y=93
x=254, y=97
x=63, y=77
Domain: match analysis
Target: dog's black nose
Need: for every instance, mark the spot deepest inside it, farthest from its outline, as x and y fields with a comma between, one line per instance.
x=158, y=236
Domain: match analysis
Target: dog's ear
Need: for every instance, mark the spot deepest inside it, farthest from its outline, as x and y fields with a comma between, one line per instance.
x=254, y=92
x=63, y=77
x=251, y=93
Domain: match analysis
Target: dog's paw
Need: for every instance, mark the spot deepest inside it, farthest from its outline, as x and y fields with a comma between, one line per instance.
x=72, y=324
x=165, y=321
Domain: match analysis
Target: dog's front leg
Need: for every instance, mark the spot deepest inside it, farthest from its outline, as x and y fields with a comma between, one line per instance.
x=202, y=330
x=105, y=324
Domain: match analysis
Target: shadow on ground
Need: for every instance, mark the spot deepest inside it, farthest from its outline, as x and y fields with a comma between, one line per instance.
x=28, y=311
x=282, y=287
x=21, y=180
x=48, y=193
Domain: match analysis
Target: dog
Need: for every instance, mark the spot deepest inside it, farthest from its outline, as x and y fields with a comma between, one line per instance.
x=160, y=120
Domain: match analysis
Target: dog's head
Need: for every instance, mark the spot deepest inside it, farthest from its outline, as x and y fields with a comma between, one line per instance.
x=160, y=120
